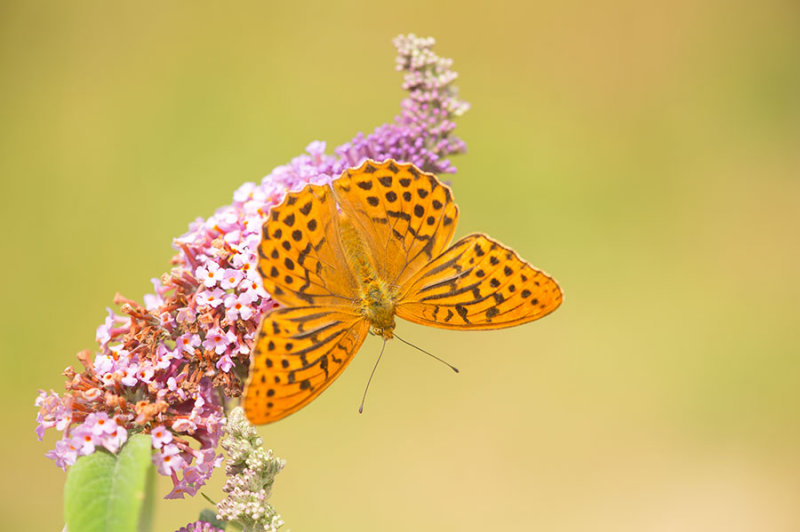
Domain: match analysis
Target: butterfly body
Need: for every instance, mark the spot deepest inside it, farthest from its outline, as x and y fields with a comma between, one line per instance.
x=376, y=298
x=346, y=259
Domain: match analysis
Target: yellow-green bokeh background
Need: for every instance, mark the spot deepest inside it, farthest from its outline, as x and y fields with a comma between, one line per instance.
x=647, y=156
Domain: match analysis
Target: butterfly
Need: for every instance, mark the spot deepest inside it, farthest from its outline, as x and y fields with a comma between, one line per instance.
x=344, y=259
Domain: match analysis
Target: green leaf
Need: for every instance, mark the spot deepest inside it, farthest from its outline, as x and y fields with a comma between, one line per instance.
x=105, y=491
x=148, y=506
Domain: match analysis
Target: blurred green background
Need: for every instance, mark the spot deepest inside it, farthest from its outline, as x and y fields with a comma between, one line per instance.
x=646, y=156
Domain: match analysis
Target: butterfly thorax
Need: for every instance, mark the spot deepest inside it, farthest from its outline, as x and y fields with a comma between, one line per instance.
x=376, y=298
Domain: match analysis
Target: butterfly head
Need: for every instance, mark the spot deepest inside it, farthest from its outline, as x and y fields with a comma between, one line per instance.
x=387, y=333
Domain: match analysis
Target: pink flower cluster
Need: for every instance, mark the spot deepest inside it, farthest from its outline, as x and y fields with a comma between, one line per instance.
x=98, y=430
x=199, y=526
x=164, y=367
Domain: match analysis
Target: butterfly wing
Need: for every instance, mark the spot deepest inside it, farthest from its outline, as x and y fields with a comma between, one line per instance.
x=299, y=353
x=405, y=216
x=478, y=283
x=303, y=346
x=301, y=261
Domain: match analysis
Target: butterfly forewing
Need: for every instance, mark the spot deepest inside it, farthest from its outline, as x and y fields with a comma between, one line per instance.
x=302, y=347
x=405, y=216
x=300, y=259
x=299, y=352
x=478, y=284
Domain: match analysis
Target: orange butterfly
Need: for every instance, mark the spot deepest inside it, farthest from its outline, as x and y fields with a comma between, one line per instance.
x=345, y=259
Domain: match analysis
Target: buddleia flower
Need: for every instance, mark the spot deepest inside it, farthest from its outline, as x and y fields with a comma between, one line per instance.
x=167, y=366
x=251, y=471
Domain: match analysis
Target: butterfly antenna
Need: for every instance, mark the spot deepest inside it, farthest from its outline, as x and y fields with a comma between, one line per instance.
x=361, y=408
x=449, y=365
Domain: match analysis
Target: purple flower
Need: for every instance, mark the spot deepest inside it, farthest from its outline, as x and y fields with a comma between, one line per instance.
x=116, y=439
x=225, y=363
x=54, y=411
x=218, y=340
x=160, y=436
x=422, y=134
x=210, y=298
x=230, y=278
x=240, y=305
x=199, y=526
x=168, y=460
x=209, y=275
x=188, y=342
x=65, y=453
x=164, y=367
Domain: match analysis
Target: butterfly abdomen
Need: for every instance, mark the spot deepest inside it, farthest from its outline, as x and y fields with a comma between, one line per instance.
x=377, y=299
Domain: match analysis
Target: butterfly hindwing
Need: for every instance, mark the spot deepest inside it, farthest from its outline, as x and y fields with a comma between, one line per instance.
x=478, y=284
x=300, y=259
x=299, y=352
x=405, y=216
